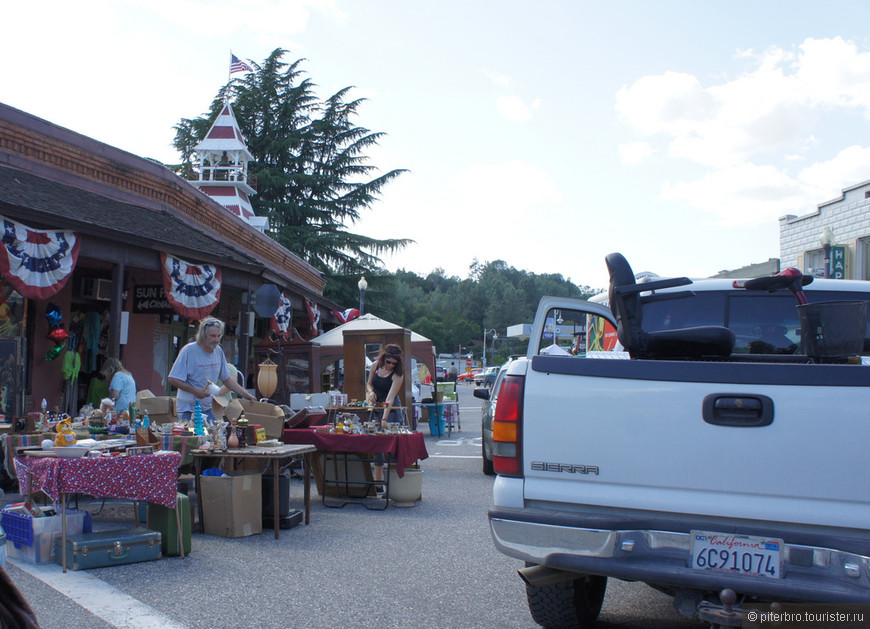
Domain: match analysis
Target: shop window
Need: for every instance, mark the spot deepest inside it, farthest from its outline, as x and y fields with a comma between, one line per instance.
x=863, y=252
x=814, y=263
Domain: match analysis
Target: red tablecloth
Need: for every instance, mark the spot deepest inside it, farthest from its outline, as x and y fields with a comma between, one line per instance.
x=148, y=477
x=406, y=449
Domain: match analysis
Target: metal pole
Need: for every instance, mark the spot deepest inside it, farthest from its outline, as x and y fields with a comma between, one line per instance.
x=484, y=348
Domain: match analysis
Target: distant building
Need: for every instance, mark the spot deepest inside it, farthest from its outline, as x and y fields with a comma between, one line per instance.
x=848, y=217
x=758, y=269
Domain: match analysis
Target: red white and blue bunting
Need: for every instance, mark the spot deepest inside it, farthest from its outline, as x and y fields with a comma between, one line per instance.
x=347, y=315
x=193, y=290
x=282, y=320
x=35, y=262
x=313, y=318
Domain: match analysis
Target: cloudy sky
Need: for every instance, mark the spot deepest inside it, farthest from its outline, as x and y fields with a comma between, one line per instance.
x=543, y=133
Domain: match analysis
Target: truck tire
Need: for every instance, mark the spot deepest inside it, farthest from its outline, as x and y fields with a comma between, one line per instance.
x=567, y=604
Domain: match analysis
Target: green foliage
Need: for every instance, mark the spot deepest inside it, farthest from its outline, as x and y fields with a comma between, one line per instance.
x=454, y=312
x=313, y=177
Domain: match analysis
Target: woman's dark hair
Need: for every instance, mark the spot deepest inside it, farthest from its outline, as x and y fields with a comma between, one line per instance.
x=394, y=352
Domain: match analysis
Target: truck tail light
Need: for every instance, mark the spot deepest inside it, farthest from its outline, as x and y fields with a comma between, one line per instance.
x=507, y=426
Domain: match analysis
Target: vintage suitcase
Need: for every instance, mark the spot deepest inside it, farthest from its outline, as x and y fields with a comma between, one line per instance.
x=109, y=548
x=307, y=417
x=162, y=519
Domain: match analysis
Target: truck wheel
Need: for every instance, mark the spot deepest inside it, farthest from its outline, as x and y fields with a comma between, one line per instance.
x=566, y=604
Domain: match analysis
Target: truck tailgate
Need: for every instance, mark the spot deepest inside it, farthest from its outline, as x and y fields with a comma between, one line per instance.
x=632, y=434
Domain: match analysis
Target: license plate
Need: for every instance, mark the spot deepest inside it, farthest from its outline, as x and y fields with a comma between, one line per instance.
x=737, y=554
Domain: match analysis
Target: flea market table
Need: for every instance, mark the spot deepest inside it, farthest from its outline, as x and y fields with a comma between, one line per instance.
x=403, y=449
x=146, y=477
x=278, y=456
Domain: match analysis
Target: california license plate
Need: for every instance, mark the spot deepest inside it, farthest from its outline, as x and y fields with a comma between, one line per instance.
x=738, y=554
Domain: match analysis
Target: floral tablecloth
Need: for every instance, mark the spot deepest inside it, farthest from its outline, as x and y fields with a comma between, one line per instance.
x=147, y=477
x=13, y=441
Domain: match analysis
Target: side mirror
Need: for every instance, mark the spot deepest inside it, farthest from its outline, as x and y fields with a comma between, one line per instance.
x=482, y=393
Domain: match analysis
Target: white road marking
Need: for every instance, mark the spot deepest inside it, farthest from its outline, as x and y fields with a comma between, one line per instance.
x=98, y=597
x=454, y=456
x=462, y=441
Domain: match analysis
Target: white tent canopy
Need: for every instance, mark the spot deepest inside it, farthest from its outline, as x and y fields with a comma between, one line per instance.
x=335, y=337
x=332, y=343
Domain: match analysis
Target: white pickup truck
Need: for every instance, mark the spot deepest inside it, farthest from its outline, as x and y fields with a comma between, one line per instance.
x=723, y=463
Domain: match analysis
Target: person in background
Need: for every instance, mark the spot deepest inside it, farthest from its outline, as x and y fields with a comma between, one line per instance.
x=122, y=386
x=452, y=372
x=199, y=362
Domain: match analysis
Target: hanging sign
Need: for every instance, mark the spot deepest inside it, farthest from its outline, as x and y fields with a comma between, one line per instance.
x=150, y=299
x=193, y=290
x=35, y=262
x=838, y=262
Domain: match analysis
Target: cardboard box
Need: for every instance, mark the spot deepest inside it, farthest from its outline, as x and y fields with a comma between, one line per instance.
x=273, y=426
x=155, y=405
x=158, y=419
x=261, y=408
x=232, y=506
x=269, y=416
x=231, y=411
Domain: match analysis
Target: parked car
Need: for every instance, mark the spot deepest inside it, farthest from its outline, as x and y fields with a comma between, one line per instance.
x=489, y=395
x=468, y=376
x=486, y=377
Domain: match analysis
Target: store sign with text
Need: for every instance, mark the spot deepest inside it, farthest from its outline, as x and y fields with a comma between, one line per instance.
x=150, y=299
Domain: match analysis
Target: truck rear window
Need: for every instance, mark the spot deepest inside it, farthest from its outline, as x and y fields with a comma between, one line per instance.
x=763, y=323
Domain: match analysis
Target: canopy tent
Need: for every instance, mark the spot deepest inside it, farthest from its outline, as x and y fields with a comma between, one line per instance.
x=332, y=343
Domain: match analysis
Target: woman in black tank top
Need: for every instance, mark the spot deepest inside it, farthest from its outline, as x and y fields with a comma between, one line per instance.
x=385, y=381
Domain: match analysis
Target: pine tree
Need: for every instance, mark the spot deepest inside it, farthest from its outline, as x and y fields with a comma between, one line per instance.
x=313, y=177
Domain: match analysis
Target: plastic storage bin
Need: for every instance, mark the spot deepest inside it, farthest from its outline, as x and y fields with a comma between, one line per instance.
x=32, y=539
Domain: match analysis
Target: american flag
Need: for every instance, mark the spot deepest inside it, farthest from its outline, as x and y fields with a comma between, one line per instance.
x=237, y=65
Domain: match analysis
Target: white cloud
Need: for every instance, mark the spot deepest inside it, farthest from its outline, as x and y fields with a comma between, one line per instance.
x=498, y=78
x=750, y=130
x=513, y=108
x=769, y=108
x=848, y=167
x=744, y=194
x=634, y=152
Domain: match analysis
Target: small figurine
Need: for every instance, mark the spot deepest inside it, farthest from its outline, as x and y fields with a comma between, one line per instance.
x=65, y=435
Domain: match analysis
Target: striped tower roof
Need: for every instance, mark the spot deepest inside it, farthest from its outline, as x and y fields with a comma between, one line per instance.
x=225, y=135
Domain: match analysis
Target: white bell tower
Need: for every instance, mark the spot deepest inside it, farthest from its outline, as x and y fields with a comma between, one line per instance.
x=221, y=168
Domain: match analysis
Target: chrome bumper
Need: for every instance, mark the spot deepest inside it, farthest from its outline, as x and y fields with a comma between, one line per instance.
x=811, y=574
